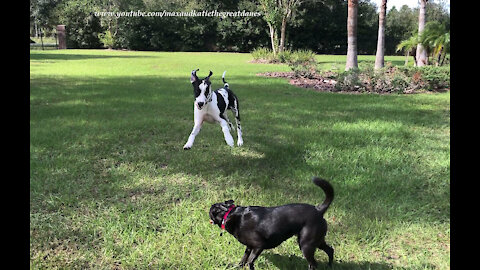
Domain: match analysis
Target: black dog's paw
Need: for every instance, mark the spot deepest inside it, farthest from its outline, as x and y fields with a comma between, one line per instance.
x=233, y=266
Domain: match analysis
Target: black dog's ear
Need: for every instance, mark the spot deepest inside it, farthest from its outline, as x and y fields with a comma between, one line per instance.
x=229, y=202
x=194, y=77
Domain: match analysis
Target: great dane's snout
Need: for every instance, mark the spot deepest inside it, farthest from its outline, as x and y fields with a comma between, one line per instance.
x=200, y=104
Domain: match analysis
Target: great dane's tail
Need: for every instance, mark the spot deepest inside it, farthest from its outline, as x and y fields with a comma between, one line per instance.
x=225, y=84
x=328, y=189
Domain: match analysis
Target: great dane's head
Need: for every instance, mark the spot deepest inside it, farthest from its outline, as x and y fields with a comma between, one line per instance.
x=202, y=89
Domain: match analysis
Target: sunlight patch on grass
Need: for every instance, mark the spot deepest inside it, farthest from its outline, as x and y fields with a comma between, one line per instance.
x=247, y=153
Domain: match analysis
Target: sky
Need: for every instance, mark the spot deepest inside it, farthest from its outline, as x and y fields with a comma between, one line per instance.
x=399, y=3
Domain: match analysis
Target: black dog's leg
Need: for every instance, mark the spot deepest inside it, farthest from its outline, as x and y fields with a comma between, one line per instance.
x=309, y=253
x=253, y=256
x=245, y=257
x=329, y=250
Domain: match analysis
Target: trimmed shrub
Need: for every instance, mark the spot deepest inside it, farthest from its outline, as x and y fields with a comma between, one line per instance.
x=285, y=56
x=263, y=54
x=303, y=63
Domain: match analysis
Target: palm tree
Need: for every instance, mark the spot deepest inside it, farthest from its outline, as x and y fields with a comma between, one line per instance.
x=445, y=39
x=422, y=58
x=409, y=46
x=352, y=35
x=379, y=57
x=436, y=39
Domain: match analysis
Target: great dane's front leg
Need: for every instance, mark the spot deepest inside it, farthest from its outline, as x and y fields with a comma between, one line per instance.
x=239, y=127
x=226, y=132
x=191, y=138
x=239, y=134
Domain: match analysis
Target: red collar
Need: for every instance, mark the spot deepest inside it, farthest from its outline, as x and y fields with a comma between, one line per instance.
x=226, y=215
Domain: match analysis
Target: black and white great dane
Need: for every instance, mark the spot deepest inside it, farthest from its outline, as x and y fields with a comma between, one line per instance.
x=211, y=106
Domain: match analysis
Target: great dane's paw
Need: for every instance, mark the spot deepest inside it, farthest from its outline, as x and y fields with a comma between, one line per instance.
x=229, y=141
x=240, y=143
x=187, y=147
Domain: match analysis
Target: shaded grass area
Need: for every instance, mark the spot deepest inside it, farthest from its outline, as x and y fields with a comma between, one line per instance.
x=111, y=187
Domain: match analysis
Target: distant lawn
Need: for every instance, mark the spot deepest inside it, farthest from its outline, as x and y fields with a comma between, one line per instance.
x=45, y=40
x=111, y=187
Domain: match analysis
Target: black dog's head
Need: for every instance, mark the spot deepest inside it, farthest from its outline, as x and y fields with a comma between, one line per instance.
x=202, y=89
x=218, y=210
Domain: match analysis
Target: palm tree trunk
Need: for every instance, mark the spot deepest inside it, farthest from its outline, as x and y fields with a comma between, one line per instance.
x=379, y=57
x=406, y=59
x=352, y=35
x=422, y=58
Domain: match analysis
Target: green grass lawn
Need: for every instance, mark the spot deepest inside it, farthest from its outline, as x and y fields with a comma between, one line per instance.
x=112, y=188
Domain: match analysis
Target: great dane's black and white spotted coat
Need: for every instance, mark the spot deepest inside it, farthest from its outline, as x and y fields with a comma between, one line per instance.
x=212, y=106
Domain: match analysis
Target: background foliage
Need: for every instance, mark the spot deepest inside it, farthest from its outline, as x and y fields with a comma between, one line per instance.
x=318, y=25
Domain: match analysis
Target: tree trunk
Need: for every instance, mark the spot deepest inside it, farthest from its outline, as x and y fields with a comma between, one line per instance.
x=414, y=57
x=36, y=28
x=379, y=58
x=422, y=58
x=439, y=57
x=282, y=35
x=443, y=58
x=41, y=37
x=406, y=59
x=352, y=35
x=272, y=38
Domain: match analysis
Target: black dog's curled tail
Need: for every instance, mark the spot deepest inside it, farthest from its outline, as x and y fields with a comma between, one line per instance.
x=328, y=189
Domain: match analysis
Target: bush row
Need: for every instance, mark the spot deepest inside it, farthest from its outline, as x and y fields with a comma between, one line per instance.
x=390, y=79
x=393, y=79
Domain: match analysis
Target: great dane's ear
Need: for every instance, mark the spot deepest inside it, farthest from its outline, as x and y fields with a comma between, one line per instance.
x=194, y=77
x=208, y=77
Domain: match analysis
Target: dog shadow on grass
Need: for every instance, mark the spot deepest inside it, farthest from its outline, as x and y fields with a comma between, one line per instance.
x=294, y=262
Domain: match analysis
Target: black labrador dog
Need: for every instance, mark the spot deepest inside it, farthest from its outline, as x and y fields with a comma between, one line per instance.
x=261, y=228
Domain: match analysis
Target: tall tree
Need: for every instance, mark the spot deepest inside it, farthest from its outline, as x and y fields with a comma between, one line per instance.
x=422, y=57
x=287, y=8
x=352, y=35
x=435, y=38
x=379, y=57
x=271, y=14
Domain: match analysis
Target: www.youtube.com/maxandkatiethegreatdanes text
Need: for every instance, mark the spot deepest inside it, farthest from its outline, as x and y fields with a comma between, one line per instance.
x=165, y=13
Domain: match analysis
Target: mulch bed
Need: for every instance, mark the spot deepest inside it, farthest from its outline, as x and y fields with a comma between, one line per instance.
x=317, y=83
x=322, y=83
